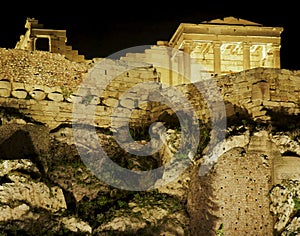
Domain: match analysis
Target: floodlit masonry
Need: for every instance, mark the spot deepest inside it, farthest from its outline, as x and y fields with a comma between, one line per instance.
x=241, y=180
x=52, y=40
x=210, y=48
x=254, y=92
x=216, y=47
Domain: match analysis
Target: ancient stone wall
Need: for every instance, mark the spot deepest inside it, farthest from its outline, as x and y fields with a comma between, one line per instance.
x=56, y=40
x=233, y=198
x=55, y=105
x=253, y=92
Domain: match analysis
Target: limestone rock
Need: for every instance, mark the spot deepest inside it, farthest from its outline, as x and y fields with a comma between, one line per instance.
x=285, y=199
x=76, y=225
x=19, y=189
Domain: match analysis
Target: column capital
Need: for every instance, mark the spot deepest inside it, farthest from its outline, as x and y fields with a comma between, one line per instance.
x=276, y=45
x=276, y=55
x=187, y=46
x=246, y=44
x=216, y=44
x=187, y=43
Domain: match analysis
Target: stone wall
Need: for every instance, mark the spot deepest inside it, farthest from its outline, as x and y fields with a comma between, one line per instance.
x=234, y=197
x=55, y=105
x=253, y=92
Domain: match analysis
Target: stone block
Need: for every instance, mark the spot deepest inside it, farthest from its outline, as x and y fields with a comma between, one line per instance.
x=111, y=102
x=18, y=86
x=37, y=94
x=55, y=96
x=31, y=87
x=128, y=103
x=21, y=94
x=4, y=92
x=4, y=84
x=74, y=99
x=287, y=167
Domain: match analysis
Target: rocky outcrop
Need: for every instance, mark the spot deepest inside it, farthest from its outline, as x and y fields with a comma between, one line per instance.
x=285, y=205
x=47, y=188
x=44, y=180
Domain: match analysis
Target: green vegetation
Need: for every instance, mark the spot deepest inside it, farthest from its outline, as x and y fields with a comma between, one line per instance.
x=87, y=99
x=220, y=231
x=66, y=91
x=297, y=204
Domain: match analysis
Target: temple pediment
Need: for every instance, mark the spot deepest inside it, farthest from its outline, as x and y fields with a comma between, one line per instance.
x=231, y=21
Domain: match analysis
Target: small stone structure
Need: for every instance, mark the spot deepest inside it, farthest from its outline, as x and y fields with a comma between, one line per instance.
x=55, y=40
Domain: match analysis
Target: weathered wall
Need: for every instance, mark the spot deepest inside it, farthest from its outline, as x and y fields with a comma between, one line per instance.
x=55, y=105
x=253, y=92
x=234, y=197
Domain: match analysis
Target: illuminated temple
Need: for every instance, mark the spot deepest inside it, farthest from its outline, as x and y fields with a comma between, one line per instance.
x=210, y=48
x=220, y=46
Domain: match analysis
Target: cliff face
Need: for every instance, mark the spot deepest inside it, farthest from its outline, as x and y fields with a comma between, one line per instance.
x=53, y=183
x=47, y=189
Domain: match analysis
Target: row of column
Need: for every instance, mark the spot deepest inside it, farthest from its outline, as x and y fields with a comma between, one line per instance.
x=187, y=49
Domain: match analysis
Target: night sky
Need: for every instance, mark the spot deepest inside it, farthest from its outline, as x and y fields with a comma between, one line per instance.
x=103, y=28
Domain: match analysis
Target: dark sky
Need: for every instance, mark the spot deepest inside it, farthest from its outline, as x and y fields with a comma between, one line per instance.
x=101, y=28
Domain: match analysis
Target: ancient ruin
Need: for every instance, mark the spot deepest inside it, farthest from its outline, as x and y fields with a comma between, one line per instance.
x=220, y=46
x=51, y=40
x=261, y=148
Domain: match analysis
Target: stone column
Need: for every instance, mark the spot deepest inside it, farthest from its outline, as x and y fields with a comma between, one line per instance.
x=171, y=67
x=276, y=55
x=50, y=44
x=246, y=55
x=217, y=57
x=34, y=44
x=30, y=46
x=187, y=61
x=180, y=68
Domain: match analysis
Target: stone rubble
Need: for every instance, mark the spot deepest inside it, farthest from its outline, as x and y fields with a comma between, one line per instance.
x=40, y=68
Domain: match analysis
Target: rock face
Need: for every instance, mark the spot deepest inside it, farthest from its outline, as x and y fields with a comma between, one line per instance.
x=53, y=183
x=285, y=199
x=45, y=187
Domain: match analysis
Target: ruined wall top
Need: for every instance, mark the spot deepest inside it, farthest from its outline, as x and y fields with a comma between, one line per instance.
x=53, y=40
x=33, y=23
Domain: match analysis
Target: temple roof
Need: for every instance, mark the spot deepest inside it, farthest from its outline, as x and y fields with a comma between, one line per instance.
x=231, y=21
